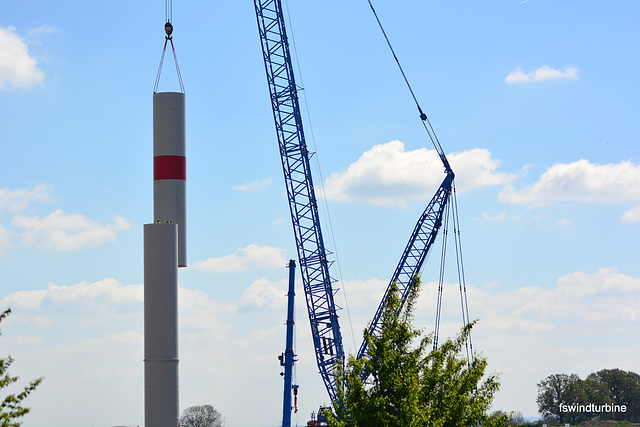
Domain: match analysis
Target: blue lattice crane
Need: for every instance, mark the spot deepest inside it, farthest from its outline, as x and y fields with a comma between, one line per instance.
x=312, y=254
x=288, y=358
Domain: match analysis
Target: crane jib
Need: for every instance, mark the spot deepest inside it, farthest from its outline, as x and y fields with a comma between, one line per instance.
x=415, y=252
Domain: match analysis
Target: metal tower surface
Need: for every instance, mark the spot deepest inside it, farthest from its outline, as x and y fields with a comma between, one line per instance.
x=314, y=266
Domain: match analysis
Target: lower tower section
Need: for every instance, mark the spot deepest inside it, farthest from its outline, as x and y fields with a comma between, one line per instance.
x=161, y=404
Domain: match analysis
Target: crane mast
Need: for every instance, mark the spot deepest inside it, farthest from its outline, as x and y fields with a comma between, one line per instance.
x=288, y=358
x=312, y=256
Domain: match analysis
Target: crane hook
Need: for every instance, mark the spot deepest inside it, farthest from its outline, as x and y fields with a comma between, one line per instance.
x=168, y=28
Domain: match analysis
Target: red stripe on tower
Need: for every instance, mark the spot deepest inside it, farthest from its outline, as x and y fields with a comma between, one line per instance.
x=169, y=167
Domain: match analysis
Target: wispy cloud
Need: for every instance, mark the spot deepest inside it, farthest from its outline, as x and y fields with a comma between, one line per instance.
x=541, y=74
x=632, y=215
x=579, y=301
x=254, y=185
x=390, y=175
x=18, y=199
x=364, y=292
x=252, y=256
x=263, y=293
x=66, y=232
x=547, y=328
x=18, y=69
x=496, y=218
x=106, y=292
x=580, y=181
x=5, y=238
x=58, y=230
x=42, y=30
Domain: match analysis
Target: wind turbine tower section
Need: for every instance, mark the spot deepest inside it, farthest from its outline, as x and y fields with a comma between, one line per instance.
x=170, y=165
x=164, y=251
x=161, y=325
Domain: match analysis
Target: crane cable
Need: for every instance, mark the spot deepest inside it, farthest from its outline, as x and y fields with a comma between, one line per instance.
x=456, y=219
x=324, y=203
x=452, y=209
x=443, y=256
x=168, y=28
x=461, y=277
x=425, y=120
x=168, y=10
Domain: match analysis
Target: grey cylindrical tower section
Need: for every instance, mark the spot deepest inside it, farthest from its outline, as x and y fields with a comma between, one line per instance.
x=170, y=165
x=161, y=325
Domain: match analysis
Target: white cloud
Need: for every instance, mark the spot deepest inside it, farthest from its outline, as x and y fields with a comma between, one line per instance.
x=632, y=215
x=498, y=218
x=563, y=222
x=254, y=186
x=5, y=238
x=363, y=292
x=542, y=73
x=17, y=68
x=580, y=300
x=579, y=304
x=127, y=337
x=263, y=293
x=389, y=175
x=24, y=299
x=108, y=291
x=105, y=291
x=108, y=297
x=197, y=310
x=253, y=256
x=92, y=348
x=42, y=30
x=67, y=232
x=18, y=199
x=580, y=181
x=604, y=281
x=526, y=333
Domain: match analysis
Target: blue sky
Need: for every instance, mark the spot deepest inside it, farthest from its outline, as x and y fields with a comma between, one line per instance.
x=535, y=103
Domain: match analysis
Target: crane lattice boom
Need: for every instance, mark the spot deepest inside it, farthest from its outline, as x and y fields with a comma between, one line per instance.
x=314, y=266
x=415, y=253
x=303, y=206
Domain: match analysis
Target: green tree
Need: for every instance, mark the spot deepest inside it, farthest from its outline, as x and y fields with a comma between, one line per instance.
x=620, y=388
x=597, y=394
x=201, y=416
x=410, y=386
x=561, y=389
x=11, y=408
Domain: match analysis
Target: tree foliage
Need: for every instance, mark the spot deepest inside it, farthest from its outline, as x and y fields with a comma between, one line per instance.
x=621, y=388
x=605, y=387
x=410, y=386
x=201, y=416
x=11, y=408
x=556, y=390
